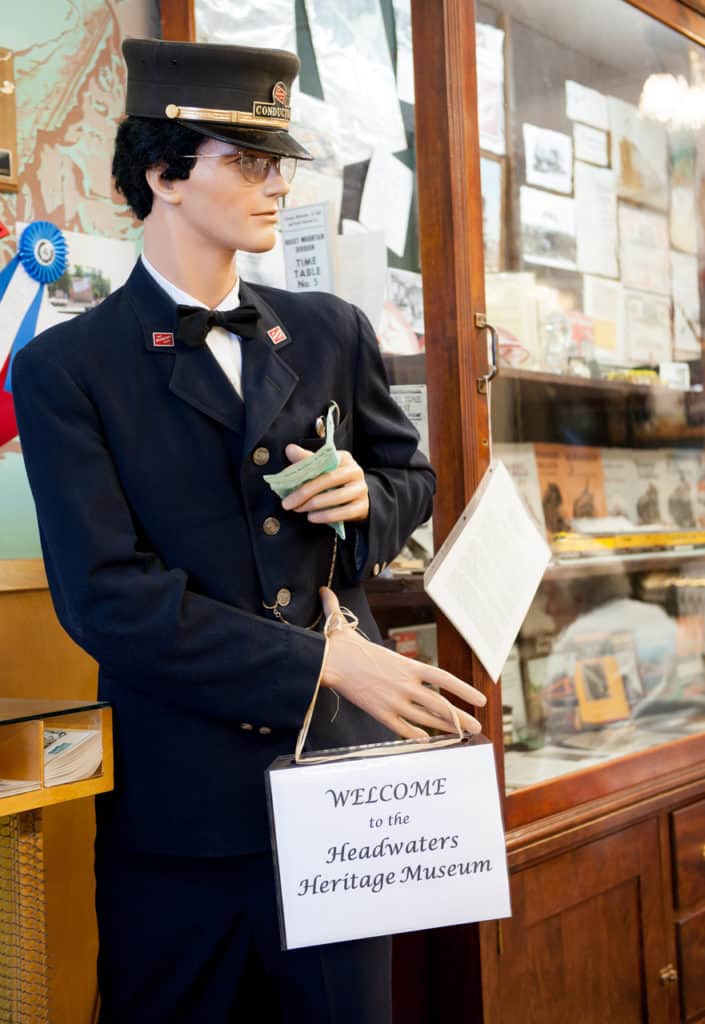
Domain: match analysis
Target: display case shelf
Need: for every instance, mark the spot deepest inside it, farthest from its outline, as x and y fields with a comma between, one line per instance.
x=26, y=751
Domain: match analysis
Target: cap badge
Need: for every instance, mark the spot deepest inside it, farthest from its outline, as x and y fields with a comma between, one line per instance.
x=277, y=108
x=280, y=94
x=276, y=334
x=162, y=339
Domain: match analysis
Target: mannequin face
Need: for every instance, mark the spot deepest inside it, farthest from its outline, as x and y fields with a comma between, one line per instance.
x=215, y=207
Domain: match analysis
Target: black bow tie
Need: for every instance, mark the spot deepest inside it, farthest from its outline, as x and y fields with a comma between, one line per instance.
x=195, y=322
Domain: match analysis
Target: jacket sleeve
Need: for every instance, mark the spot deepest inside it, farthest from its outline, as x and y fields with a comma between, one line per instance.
x=120, y=603
x=400, y=480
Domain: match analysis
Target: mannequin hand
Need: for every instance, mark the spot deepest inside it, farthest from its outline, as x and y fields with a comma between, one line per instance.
x=390, y=686
x=338, y=496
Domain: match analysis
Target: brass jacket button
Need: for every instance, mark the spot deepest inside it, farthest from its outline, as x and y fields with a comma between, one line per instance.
x=283, y=597
x=264, y=730
x=271, y=526
x=260, y=456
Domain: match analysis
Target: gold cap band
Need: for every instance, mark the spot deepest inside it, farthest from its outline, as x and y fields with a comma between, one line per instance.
x=225, y=116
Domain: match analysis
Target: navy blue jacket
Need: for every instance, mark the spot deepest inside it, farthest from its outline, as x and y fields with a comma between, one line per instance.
x=151, y=511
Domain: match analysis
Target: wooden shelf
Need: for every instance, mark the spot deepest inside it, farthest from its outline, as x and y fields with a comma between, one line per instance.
x=22, y=724
x=397, y=591
x=585, y=383
x=561, y=380
x=612, y=565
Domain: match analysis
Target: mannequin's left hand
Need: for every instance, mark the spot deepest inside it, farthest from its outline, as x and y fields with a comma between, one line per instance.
x=338, y=496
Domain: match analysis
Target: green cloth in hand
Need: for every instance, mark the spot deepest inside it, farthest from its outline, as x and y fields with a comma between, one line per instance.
x=323, y=461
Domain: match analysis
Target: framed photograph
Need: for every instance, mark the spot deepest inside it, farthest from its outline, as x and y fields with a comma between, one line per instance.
x=8, y=124
x=492, y=186
x=549, y=159
x=547, y=228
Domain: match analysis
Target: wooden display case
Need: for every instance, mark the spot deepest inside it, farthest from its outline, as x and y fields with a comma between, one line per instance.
x=606, y=862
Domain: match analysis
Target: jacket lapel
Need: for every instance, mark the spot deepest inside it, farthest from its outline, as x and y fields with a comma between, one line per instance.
x=195, y=375
x=267, y=380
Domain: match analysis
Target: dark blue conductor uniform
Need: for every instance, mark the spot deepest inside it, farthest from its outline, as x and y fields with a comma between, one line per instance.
x=163, y=547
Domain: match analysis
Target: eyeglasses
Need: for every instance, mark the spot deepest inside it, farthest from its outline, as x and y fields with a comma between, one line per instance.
x=254, y=167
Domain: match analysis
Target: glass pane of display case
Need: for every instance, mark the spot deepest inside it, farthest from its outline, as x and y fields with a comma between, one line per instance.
x=593, y=168
x=350, y=223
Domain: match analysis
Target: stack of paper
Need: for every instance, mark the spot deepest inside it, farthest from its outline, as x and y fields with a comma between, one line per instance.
x=71, y=754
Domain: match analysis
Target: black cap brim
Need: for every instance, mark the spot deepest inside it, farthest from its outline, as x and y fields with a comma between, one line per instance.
x=280, y=143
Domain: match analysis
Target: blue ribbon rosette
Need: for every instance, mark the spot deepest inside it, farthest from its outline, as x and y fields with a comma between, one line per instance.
x=41, y=254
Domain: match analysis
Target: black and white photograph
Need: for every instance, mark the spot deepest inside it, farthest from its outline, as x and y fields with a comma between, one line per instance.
x=547, y=229
x=549, y=159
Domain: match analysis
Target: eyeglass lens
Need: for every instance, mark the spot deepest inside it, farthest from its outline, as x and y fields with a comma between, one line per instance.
x=255, y=167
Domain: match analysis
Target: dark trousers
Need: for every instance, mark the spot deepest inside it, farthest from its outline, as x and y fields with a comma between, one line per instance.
x=196, y=941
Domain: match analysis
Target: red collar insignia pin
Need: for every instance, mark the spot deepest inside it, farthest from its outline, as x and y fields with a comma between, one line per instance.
x=276, y=334
x=162, y=339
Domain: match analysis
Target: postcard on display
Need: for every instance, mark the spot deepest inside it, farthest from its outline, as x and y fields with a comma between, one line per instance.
x=405, y=56
x=586, y=105
x=510, y=302
x=513, y=692
x=360, y=271
x=572, y=484
x=404, y=289
x=492, y=186
x=362, y=90
x=310, y=187
x=547, y=228
x=326, y=134
x=650, y=496
x=647, y=328
x=644, y=250
x=395, y=334
x=242, y=23
x=95, y=267
x=489, y=51
x=684, y=218
x=687, y=329
x=596, y=220
x=549, y=159
x=412, y=398
x=681, y=475
x=307, y=251
x=639, y=155
x=386, y=198
x=590, y=145
x=603, y=302
x=621, y=482
x=600, y=690
x=520, y=460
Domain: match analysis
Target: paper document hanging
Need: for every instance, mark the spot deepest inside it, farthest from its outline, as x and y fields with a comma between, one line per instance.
x=487, y=572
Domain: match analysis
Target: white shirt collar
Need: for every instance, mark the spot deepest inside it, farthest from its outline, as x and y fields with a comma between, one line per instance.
x=181, y=298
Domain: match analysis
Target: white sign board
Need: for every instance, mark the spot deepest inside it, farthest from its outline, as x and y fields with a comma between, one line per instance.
x=307, y=256
x=381, y=845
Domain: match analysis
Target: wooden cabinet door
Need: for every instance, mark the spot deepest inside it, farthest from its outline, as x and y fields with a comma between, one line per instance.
x=586, y=940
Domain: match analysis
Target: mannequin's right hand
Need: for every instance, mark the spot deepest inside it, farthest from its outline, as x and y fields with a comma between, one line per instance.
x=390, y=686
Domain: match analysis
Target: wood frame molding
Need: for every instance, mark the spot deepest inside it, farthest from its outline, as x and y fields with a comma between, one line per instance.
x=22, y=574
x=677, y=15
x=450, y=204
x=178, y=20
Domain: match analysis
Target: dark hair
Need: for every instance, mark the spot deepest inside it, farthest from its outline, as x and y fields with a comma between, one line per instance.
x=142, y=142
